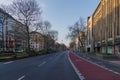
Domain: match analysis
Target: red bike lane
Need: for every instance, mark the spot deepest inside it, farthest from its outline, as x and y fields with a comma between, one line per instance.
x=92, y=71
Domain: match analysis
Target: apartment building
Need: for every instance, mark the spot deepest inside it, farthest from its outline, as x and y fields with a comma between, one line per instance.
x=49, y=43
x=106, y=27
x=37, y=41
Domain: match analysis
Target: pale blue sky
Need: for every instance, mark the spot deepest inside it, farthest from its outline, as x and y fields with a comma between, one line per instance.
x=63, y=13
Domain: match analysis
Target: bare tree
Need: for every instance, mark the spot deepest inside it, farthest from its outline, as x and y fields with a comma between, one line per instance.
x=38, y=26
x=43, y=27
x=72, y=45
x=77, y=31
x=53, y=34
x=46, y=27
x=5, y=8
x=27, y=12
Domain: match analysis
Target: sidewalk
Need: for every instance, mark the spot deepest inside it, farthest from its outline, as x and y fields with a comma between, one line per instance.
x=100, y=57
x=115, y=62
x=111, y=60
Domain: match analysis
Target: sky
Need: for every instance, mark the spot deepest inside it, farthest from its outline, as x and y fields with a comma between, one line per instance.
x=64, y=13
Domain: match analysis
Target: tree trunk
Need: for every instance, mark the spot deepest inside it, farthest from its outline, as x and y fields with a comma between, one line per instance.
x=28, y=38
x=81, y=43
x=28, y=43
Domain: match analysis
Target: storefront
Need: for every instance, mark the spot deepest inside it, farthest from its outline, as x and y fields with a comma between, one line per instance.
x=97, y=47
x=117, y=47
x=109, y=47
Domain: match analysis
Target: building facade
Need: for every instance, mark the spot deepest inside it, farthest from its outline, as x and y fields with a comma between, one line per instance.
x=106, y=27
x=89, y=33
x=20, y=36
x=1, y=29
x=8, y=32
x=97, y=28
x=36, y=41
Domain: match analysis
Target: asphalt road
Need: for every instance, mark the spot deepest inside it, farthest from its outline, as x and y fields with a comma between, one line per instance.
x=48, y=67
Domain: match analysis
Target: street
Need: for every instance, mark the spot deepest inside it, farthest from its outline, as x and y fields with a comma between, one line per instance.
x=57, y=66
x=52, y=40
x=48, y=67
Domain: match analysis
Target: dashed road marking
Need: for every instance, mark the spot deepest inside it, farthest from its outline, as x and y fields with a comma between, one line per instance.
x=42, y=64
x=8, y=62
x=21, y=77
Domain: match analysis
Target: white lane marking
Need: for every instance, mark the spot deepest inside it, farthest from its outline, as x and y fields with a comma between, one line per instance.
x=21, y=78
x=8, y=62
x=81, y=77
x=41, y=64
x=103, y=67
